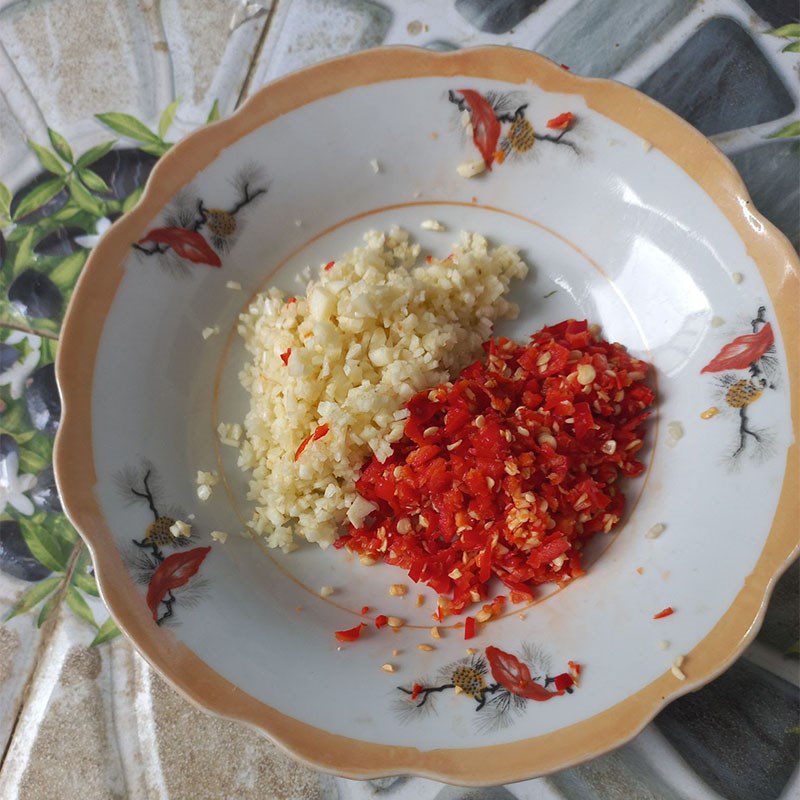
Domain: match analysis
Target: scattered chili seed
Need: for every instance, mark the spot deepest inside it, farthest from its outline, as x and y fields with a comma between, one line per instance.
x=710, y=412
x=420, y=600
x=388, y=667
x=398, y=590
x=395, y=622
x=665, y=612
x=426, y=648
x=395, y=652
x=470, y=651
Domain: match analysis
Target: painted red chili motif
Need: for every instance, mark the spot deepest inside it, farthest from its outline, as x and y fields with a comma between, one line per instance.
x=186, y=243
x=515, y=676
x=742, y=351
x=485, y=125
x=172, y=573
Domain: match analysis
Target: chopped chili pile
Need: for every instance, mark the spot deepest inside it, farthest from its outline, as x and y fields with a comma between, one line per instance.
x=509, y=470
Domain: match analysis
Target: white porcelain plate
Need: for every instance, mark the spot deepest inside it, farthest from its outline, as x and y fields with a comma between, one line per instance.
x=629, y=219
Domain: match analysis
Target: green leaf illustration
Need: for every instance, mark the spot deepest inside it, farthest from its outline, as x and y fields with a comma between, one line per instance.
x=38, y=196
x=156, y=148
x=47, y=158
x=86, y=583
x=81, y=578
x=93, y=180
x=132, y=199
x=128, y=126
x=167, y=118
x=5, y=200
x=61, y=528
x=34, y=596
x=78, y=604
x=47, y=609
x=108, y=631
x=790, y=31
x=213, y=115
x=95, y=153
x=35, y=453
x=794, y=47
x=792, y=129
x=44, y=546
x=84, y=198
x=66, y=273
x=60, y=145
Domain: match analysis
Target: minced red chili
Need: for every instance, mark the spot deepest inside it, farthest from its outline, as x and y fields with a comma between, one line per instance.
x=665, y=612
x=381, y=620
x=320, y=431
x=469, y=627
x=510, y=469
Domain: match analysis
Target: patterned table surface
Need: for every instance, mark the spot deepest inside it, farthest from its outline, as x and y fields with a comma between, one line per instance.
x=81, y=714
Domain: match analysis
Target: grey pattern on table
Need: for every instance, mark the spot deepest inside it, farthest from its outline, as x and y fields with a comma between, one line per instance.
x=89, y=722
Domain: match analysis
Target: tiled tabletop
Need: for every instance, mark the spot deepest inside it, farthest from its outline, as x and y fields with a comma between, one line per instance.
x=81, y=714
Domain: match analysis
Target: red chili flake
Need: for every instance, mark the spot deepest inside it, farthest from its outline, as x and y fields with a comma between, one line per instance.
x=562, y=122
x=575, y=667
x=563, y=681
x=285, y=356
x=351, y=634
x=381, y=620
x=291, y=300
x=312, y=437
x=329, y=266
x=665, y=612
x=515, y=425
x=469, y=627
x=428, y=259
x=564, y=66
x=415, y=690
x=365, y=609
x=500, y=156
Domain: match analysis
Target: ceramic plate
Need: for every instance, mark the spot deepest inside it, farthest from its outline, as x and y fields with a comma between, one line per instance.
x=630, y=219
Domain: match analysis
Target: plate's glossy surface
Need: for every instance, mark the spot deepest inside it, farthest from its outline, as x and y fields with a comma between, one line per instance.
x=630, y=219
